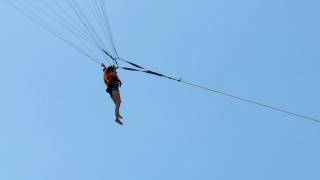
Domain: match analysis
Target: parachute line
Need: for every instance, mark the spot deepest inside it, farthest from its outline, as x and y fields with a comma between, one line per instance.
x=46, y=26
x=83, y=24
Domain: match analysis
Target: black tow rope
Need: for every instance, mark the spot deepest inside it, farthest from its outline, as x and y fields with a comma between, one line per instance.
x=137, y=68
x=144, y=70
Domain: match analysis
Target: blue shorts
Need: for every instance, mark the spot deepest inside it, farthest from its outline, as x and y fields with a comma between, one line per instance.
x=115, y=87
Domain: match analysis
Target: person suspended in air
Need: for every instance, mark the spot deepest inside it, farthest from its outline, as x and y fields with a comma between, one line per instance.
x=113, y=83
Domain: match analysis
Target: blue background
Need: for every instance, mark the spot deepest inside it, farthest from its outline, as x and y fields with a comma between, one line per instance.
x=57, y=122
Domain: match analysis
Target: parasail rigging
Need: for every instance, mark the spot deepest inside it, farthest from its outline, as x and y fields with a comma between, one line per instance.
x=84, y=25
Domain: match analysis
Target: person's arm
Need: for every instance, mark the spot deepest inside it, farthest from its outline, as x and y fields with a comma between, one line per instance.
x=103, y=66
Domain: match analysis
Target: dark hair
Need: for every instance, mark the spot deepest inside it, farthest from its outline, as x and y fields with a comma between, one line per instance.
x=111, y=68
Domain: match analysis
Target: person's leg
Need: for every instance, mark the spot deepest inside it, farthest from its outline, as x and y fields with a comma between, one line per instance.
x=117, y=101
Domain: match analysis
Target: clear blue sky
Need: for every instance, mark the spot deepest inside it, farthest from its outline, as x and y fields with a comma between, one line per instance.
x=56, y=121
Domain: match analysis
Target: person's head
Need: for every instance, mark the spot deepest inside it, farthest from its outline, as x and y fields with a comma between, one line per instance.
x=111, y=70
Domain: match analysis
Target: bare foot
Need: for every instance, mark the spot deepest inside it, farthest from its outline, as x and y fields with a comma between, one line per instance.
x=118, y=121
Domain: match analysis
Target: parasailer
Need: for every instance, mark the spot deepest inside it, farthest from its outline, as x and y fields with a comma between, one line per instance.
x=113, y=83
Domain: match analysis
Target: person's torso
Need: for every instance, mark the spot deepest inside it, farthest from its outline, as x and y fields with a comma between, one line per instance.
x=110, y=80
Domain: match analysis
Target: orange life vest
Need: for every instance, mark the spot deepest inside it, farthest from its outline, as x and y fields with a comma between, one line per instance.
x=108, y=79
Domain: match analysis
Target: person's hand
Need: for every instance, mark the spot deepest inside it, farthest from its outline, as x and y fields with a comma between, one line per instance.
x=102, y=65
